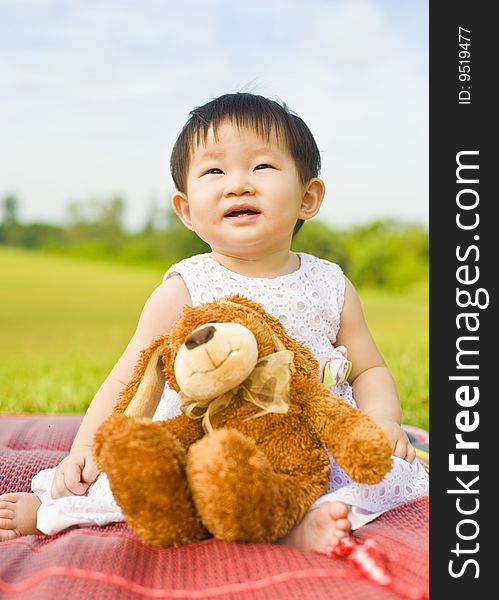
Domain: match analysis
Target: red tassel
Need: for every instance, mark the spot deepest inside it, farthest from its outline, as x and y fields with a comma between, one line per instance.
x=366, y=557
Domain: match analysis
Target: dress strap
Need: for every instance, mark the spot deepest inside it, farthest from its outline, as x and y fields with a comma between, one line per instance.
x=200, y=283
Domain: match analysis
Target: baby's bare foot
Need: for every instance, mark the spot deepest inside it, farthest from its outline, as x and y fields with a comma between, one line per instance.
x=18, y=515
x=320, y=529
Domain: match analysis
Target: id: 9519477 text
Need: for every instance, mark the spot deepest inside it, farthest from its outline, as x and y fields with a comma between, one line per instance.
x=464, y=37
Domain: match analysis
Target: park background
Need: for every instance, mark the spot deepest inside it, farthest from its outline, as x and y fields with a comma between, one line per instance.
x=93, y=97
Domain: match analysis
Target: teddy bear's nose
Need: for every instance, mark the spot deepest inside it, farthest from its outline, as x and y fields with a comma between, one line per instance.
x=200, y=337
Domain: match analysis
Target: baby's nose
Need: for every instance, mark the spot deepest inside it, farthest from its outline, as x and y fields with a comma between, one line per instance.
x=239, y=187
x=199, y=337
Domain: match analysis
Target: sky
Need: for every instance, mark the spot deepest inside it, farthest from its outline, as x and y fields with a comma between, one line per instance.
x=93, y=94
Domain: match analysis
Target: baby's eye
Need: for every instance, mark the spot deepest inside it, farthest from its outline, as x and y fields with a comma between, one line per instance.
x=215, y=171
x=264, y=166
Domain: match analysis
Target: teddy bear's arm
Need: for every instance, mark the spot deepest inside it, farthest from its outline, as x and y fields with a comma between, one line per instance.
x=358, y=445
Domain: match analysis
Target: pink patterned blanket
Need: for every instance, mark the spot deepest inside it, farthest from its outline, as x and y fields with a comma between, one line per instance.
x=110, y=562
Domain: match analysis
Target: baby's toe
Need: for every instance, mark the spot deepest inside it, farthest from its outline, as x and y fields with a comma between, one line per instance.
x=13, y=497
x=338, y=510
x=6, y=513
x=6, y=523
x=332, y=543
x=8, y=534
x=343, y=527
x=343, y=524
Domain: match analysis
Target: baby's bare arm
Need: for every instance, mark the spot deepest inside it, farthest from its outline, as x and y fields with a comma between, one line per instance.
x=373, y=386
x=76, y=472
x=158, y=314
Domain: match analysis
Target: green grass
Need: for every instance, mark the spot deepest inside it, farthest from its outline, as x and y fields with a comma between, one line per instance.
x=399, y=324
x=64, y=322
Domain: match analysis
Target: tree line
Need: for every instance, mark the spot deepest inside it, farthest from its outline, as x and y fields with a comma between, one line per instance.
x=382, y=253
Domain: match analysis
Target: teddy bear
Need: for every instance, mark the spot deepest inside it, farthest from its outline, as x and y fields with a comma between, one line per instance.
x=247, y=456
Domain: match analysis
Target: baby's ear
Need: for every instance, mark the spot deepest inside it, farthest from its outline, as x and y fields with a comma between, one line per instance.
x=143, y=392
x=181, y=208
x=312, y=198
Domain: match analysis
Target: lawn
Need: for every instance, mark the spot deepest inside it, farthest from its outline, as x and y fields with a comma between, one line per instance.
x=65, y=321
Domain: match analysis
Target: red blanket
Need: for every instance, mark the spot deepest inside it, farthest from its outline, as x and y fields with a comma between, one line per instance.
x=110, y=562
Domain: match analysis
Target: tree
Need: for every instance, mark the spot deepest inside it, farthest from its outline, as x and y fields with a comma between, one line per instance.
x=111, y=213
x=10, y=207
x=320, y=240
x=103, y=215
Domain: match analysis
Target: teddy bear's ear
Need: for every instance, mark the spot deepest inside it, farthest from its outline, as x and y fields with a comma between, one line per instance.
x=143, y=392
x=238, y=299
x=305, y=362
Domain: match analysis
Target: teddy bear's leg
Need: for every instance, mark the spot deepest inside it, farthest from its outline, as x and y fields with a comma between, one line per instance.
x=145, y=464
x=238, y=494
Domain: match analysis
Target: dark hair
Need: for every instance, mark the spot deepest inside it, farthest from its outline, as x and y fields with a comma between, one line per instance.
x=261, y=114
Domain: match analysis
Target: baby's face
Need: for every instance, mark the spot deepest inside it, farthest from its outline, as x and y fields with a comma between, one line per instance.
x=243, y=194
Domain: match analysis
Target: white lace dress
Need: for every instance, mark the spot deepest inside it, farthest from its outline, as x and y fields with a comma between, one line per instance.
x=308, y=302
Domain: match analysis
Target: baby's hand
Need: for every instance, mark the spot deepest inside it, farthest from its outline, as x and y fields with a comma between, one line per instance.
x=75, y=473
x=401, y=445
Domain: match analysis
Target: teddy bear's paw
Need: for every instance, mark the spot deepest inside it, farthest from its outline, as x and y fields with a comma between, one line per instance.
x=236, y=491
x=365, y=455
x=117, y=422
x=145, y=465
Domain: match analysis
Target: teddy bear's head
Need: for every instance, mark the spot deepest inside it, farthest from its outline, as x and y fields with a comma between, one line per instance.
x=212, y=348
x=215, y=346
x=214, y=358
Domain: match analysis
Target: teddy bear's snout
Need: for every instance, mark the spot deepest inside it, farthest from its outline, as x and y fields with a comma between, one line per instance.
x=214, y=358
x=199, y=337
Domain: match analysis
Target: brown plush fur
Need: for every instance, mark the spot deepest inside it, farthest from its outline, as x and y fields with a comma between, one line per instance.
x=249, y=480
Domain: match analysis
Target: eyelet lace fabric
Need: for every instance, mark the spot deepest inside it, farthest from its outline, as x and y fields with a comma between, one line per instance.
x=96, y=507
x=308, y=302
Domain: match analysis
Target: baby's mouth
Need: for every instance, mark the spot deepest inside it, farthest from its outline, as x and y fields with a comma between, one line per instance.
x=242, y=213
